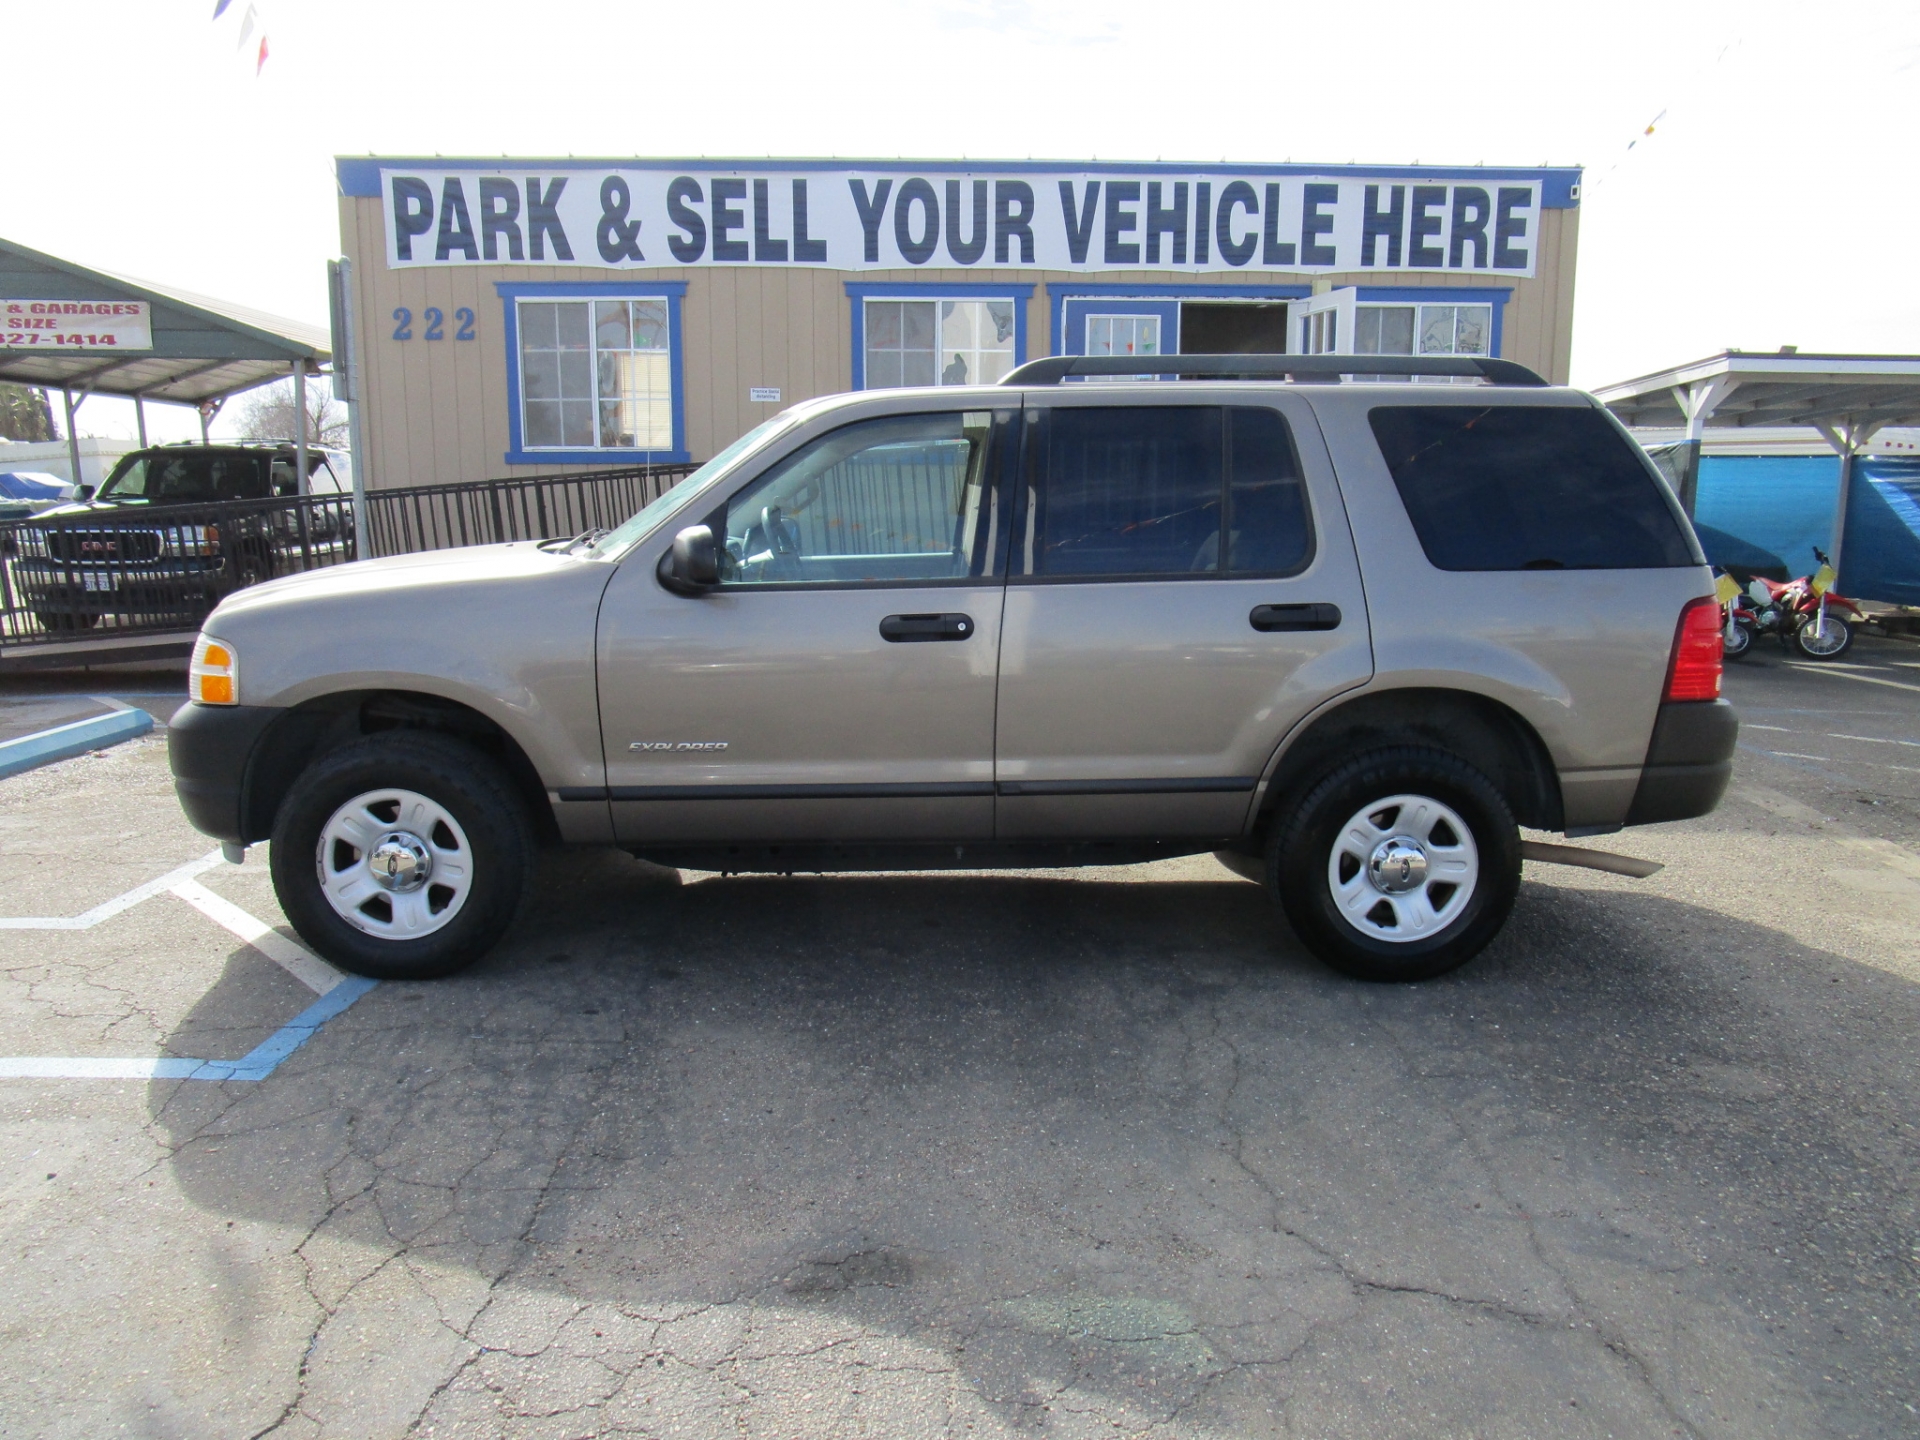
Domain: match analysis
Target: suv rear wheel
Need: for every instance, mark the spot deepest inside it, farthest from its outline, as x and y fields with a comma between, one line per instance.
x=1399, y=865
x=403, y=856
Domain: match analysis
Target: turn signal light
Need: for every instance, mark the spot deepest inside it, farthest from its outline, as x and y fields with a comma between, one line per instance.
x=213, y=677
x=1693, y=671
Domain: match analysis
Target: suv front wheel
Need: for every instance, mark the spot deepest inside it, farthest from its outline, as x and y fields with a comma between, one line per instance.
x=1399, y=865
x=403, y=856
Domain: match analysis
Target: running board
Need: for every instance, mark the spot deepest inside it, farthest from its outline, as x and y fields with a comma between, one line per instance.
x=1589, y=859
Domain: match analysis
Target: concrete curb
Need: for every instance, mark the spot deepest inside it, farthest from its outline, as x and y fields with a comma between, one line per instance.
x=94, y=733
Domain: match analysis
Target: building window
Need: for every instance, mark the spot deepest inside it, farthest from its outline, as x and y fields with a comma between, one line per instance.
x=596, y=374
x=938, y=342
x=1439, y=329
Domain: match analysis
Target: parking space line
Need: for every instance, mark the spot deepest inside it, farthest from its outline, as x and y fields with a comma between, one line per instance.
x=257, y=1064
x=336, y=990
x=1828, y=669
x=110, y=908
x=298, y=961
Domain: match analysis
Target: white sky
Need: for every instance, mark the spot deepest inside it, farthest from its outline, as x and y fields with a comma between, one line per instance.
x=1775, y=203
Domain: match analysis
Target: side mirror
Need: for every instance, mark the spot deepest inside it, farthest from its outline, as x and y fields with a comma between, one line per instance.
x=692, y=565
x=86, y=492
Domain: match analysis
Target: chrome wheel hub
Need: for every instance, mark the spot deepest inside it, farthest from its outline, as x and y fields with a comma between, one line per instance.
x=394, y=864
x=1403, y=868
x=400, y=862
x=1397, y=865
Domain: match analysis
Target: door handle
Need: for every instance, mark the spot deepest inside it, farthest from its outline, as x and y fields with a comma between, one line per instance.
x=912, y=629
x=1317, y=616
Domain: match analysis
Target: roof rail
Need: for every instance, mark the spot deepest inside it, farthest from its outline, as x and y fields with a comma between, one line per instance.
x=1052, y=369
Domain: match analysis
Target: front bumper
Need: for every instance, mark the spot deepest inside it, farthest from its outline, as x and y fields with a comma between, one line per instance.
x=1689, y=762
x=210, y=748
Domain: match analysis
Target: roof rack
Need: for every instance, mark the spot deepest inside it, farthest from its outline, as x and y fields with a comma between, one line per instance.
x=1324, y=369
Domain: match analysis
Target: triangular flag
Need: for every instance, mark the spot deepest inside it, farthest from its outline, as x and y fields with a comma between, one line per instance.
x=261, y=64
x=220, y=7
x=246, y=28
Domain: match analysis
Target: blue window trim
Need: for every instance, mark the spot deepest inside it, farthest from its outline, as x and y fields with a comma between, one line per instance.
x=1495, y=295
x=1058, y=295
x=672, y=291
x=859, y=294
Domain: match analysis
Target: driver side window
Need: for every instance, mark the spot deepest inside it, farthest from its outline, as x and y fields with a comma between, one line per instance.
x=900, y=498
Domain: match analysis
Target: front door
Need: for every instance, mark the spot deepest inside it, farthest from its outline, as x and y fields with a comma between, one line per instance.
x=1183, y=590
x=838, y=682
x=1323, y=324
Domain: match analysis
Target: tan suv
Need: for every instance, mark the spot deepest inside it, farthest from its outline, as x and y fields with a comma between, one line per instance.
x=1349, y=635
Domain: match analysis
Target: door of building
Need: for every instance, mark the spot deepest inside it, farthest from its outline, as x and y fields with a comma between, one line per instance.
x=1183, y=587
x=1323, y=324
x=838, y=682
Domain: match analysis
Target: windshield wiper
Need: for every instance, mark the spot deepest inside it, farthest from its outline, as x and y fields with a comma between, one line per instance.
x=567, y=547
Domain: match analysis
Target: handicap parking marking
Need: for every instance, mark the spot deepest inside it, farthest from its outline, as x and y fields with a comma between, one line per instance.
x=298, y=961
x=336, y=990
x=106, y=910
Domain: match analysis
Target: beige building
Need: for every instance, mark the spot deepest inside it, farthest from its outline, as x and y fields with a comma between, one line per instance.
x=523, y=317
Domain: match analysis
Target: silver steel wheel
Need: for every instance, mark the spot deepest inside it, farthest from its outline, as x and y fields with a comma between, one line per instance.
x=395, y=864
x=1403, y=868
x=1822, y=637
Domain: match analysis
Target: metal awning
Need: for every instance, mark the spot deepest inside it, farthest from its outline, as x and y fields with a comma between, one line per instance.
x=1842, y=396
x=203, y=350
x=1847, y=398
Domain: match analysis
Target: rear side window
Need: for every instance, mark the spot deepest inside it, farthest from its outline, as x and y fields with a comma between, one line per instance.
x=1152, y=490
x=1513, y=487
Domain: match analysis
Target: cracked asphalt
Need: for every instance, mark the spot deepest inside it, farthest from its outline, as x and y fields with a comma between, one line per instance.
x=1070, y=1154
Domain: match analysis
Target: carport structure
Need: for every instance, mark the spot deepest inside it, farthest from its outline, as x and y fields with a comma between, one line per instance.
x=199, y=351
x=1848, y=399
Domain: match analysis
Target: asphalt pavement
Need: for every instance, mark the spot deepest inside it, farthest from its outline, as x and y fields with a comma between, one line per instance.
x=1088, y=1152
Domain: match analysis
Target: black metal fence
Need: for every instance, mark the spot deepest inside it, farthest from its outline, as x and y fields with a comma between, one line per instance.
x=537, y=507
x=136, y=570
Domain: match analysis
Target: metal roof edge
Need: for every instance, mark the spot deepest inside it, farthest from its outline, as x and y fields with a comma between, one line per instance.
x=156, y=296
x=359, y=175
x=1801, y=364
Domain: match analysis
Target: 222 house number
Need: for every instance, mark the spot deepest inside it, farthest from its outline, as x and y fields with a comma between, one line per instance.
x=433, y=321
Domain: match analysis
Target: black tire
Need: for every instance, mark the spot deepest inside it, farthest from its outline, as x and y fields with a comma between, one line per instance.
x=1301, y=852
x=1736, y=643
x=61, y=620
x=471, y=788
x=1837, y=627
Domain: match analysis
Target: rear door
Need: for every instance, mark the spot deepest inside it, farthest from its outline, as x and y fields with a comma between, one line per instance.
x=838, y=683
x=1183, y=589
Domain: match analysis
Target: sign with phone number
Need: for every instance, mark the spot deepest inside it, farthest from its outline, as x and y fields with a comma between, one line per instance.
x=76, y=325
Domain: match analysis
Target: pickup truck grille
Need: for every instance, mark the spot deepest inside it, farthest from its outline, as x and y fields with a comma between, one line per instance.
x=103, y=547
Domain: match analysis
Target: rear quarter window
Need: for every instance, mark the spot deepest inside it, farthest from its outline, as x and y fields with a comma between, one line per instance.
x=1527, y=487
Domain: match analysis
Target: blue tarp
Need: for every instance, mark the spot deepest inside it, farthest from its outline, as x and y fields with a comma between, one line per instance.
x=1880, y=558
x=1782, y=503
x=32, y=485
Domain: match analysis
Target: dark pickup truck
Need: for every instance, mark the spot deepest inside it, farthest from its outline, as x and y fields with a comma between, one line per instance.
x=163, y=539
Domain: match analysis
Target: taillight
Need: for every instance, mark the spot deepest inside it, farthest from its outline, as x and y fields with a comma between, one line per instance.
x=1693, y=671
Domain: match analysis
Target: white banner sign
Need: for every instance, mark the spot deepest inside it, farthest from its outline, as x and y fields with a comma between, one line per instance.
x=638, y=216
x=76, y=325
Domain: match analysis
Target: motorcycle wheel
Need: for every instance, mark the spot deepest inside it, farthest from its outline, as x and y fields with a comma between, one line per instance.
x=1736, y=639
x=1827, y=640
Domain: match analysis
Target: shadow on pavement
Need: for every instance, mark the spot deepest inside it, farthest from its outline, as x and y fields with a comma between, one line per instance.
x=1089, y=1138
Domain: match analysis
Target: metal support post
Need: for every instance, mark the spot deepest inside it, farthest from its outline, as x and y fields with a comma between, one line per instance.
x=140, y=418
x=300, y=427
x=346, y=389
x=73, y=439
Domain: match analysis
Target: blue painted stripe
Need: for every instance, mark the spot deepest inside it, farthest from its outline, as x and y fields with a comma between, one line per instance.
x=261, y=1061
x=64, y=741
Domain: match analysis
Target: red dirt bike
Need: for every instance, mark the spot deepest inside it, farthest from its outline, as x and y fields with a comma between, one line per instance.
x=1806, y=614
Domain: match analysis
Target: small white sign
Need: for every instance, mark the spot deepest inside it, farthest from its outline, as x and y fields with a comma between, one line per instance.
x=76, y=325
x=768, y=393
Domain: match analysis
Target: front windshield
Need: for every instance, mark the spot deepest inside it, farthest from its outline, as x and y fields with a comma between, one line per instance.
x=614, y=542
